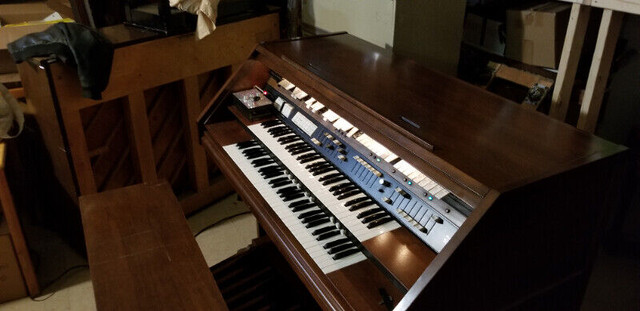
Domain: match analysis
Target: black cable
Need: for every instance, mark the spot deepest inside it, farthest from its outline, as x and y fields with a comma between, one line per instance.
x=219, y=221
x=57, y=279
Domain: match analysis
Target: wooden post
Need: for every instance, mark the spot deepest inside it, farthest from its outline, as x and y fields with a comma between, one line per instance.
x=140, y=139
x=569, y=60
x=600, y=67
x=197, y=159
x=78, y=149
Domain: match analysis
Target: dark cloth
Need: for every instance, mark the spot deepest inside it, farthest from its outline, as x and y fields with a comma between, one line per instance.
x=73, y=44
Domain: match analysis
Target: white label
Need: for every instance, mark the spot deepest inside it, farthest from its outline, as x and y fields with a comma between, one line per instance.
x=304, y=124
x=278, y=103
x=286, y=109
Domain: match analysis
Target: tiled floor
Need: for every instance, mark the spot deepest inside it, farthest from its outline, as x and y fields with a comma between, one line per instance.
x=615, y=283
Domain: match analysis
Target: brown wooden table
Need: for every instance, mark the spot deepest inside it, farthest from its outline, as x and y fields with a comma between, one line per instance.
x=142, y=254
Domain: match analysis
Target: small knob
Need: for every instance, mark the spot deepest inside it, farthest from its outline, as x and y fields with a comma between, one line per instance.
x=384, y=182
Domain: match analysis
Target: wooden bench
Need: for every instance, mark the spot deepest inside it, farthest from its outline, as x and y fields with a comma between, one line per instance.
x=142, y=254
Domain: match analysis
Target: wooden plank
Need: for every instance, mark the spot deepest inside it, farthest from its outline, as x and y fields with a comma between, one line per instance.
x=600, y=67
x=627, y=6
x=141, y=67
x=197, y=159
x=142, y=253
x=78, y=149
x=140, y=145
x=39, y=97
x=15, y=230
x=574, y=39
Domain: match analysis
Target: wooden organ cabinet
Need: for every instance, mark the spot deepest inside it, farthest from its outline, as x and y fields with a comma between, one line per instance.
x=386, y=185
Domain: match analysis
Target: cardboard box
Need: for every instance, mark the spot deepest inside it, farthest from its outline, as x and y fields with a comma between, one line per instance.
x=17, y=14
x=11, y=282
x=535, y=35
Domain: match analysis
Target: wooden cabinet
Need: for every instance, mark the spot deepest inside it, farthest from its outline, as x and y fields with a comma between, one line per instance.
x=12, y=282
x=144, y=127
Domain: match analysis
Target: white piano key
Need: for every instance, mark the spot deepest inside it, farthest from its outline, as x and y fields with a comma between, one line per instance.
x=295, y=226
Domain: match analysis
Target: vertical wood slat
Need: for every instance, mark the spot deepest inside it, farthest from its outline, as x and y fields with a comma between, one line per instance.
x=600, y=67
x=15, y=231
x=571, y=51
x=197, y=160
x=140, y=145
x=78, y=150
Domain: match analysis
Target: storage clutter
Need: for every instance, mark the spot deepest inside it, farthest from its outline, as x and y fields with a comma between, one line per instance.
x=535, y=35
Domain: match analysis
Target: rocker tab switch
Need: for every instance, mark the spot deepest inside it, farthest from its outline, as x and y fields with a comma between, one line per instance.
x=387, y=200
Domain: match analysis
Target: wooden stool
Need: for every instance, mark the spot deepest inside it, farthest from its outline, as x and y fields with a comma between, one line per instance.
x=142, y=254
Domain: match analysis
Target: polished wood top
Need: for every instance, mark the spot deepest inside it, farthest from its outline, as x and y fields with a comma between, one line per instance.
x=490, y=138
x=142, y=254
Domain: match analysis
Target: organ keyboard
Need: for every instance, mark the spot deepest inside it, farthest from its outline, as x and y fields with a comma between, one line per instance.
x=386, y=185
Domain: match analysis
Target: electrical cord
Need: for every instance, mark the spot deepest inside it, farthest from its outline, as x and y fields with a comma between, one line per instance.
x=218, y=222
x=57, y=279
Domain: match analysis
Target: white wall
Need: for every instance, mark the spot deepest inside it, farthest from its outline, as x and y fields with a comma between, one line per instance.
x=371, y=20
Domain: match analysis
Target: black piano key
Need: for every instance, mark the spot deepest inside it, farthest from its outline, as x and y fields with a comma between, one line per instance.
x=345, y=253
x=340, y=248
x=311, y=213
x=298, y=203
x=292, y=197
x=327, y=235
x=360, y=205
x=326, y=177
x=301, y=150
x=295, y=145
x=338, y=186
x=261, y=162
x=270, y=168
x=290, y=192
x=277, y=180
x=303, y=207
x=309, y=159
x=317, y=223
x=336, y=243
x=289, y=139
x=322, y=171
x=379, y=222
x=333, y=180
x=287, y=189
x=348, y=194
x=255, y=155
x=323, y=230
x=279, y=134
x=344, y=190
x=272, y=174
x=247, y=144
x=281, y=183
x=270, y=123
x=370, y=212
x=373, y=217
x=354, y=201
x=313, y=218
x=316, y=164
x=278, y=128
